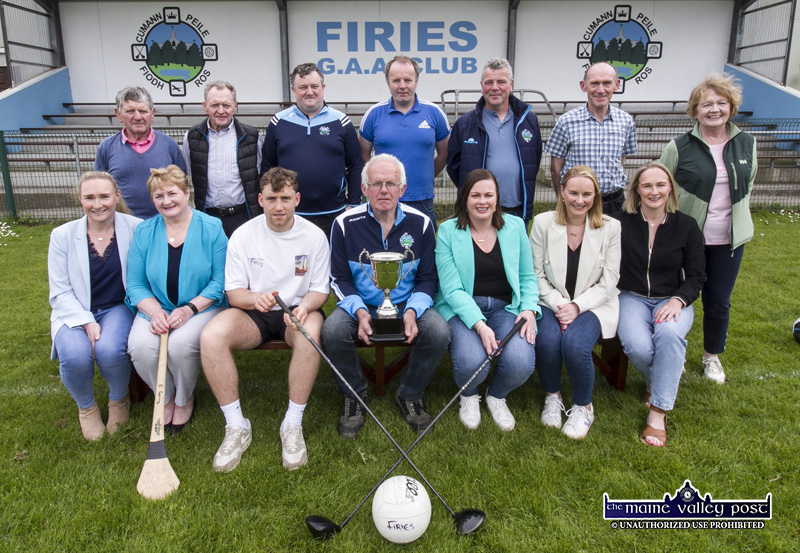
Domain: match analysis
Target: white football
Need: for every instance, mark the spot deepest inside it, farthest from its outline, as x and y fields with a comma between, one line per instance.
x=401, y=509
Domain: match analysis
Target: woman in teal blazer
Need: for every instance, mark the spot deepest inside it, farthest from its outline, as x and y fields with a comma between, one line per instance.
x=176, y=274
x=486, y=284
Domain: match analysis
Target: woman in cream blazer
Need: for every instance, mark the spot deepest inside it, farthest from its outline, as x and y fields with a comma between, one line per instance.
x=576, y=253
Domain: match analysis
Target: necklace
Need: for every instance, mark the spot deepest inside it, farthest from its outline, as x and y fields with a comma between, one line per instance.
x=101, y=237
x=171, y=239
x=656, y=222
x=578, y=227
x=477, y=237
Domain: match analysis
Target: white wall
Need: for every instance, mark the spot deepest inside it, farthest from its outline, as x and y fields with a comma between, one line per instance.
x=99, y=39
x=693, y=35
x=351, y=40
x=452, y=40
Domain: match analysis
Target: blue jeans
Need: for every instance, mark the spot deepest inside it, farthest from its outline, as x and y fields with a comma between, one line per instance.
x=573, y=347
x=656, y=350
x=425, y=206
x=722, y=268
x=76, y=365
x=514, y=364
x=339, y=334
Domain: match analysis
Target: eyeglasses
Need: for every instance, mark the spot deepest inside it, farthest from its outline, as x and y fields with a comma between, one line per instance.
x=388, y=185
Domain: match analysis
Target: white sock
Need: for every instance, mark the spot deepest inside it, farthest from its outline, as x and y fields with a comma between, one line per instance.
x=294, y=415
x=233, y=414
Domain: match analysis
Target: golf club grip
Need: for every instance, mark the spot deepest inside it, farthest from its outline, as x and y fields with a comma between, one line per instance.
x=510, y=335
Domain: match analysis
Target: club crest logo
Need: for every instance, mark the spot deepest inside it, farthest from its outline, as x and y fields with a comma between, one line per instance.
x=623, y=39
x=406, y=241
x=526, y=135
x=173, y=51
x=324, y=131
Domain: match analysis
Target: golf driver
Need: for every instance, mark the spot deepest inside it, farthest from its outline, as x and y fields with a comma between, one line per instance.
x=466, y=521
x=337, y=528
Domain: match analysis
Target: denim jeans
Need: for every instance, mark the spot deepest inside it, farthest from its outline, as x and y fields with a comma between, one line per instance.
x=339, y=334
x=514, y=364
x=573, y=347
x=655, y=350
x=722, y=268
x=76, y=365
x=425, y=206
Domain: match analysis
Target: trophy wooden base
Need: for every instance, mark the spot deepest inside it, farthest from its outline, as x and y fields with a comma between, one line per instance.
x=387, y=330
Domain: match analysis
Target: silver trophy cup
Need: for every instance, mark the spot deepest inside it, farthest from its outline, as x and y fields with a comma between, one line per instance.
x=386, y=275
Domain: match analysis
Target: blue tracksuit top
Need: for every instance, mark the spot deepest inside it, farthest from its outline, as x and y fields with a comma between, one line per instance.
x=356, y=230
x=325, y=153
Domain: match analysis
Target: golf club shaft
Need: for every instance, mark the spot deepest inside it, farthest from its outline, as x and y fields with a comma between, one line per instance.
x=488, y=360
x=360, y=400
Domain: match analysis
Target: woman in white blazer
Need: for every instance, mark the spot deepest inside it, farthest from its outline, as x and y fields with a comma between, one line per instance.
x=86, y=265
x=576, y=252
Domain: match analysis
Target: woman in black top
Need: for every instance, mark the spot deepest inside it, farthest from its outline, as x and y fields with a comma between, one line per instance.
x=661, y=274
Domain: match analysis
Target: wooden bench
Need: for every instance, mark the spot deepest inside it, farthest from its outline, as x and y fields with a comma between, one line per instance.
x=612, y=362
x=378, y=374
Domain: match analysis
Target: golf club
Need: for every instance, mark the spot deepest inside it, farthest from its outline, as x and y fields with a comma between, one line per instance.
x=158, y=479
x=364, y=405
x=466, y=521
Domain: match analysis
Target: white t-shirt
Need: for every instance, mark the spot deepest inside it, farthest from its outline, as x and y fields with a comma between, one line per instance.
x=292, y=263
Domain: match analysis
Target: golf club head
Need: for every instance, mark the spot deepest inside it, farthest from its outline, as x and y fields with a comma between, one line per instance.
x=322, y=528
x=468, y=520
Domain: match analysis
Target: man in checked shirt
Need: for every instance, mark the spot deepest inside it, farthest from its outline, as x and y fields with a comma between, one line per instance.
x=596, y=134
x=223, y=157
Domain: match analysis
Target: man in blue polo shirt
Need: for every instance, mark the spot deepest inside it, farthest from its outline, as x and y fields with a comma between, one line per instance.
x=413, y=130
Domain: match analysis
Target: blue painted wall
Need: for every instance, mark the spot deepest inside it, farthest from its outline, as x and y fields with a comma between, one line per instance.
x=24, y=105
x=764, y=98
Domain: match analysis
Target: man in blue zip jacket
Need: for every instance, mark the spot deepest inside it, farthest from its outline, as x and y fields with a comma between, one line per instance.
x=502, y=135
x=224, y=157
x=321, y=145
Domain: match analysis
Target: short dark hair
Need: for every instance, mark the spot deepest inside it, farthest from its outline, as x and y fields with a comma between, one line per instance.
x=277, y=179
x=402, y=59
x=460, y=211
x=304, y=69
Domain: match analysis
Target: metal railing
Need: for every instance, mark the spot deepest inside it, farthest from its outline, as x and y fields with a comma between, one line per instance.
x=40, y=169
x=763, y=37
x=31, y=39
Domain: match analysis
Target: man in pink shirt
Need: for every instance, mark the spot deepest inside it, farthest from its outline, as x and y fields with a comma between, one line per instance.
x=130, y=154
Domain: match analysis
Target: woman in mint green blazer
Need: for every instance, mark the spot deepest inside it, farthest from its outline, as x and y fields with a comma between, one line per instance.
x=486, y=284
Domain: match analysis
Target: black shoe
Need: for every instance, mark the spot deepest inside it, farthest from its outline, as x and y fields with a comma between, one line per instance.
x=352, y=417
x=415, y=414
x=175, y=429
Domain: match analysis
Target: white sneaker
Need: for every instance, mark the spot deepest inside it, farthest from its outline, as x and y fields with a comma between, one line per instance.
x=470, y=412
x=712, y=369
x=500, y=413
x=551, y=413
x=294, y=452
x=236, y=441
x=579, y=420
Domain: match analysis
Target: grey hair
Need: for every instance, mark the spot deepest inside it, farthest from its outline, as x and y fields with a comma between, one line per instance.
x=133, y=94
x=384, y=157
x=221, y=85
x=498, y=63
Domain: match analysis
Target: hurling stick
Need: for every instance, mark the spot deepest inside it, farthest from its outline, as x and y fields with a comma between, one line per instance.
x=158, y=480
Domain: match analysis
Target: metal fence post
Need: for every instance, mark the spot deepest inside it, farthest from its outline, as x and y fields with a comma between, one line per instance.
x=12, y=206
x=77, y=156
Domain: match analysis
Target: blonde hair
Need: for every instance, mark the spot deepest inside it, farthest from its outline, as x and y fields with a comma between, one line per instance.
x=595, y=212
x=120, y=206
x=724, y=85
x=171, y=175
x=632, y=199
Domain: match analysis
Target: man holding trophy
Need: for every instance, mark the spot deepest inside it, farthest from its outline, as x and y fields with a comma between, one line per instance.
x=382, y=254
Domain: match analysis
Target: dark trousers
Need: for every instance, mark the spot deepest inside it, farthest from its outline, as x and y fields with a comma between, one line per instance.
x=722, y=268
x=324, y=222
x=230, y=222
x=612, y=203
